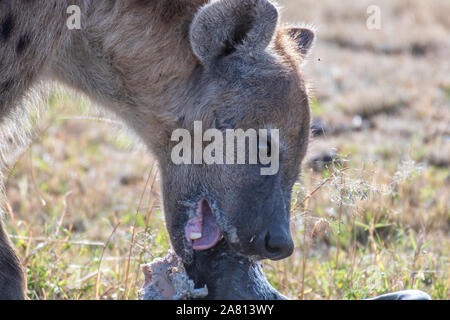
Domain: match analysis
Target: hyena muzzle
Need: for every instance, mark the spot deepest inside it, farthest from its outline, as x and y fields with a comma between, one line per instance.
x=160, y=65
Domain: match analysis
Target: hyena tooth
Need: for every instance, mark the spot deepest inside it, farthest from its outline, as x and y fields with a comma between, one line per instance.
x=195, y=235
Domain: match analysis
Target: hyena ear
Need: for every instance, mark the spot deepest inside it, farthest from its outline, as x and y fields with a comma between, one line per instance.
x=223, y=27
x=303, y=37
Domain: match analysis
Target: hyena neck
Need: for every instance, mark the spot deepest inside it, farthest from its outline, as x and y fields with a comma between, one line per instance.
x=134, y=58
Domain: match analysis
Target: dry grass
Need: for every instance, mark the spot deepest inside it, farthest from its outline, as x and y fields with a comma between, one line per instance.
x=84, y=208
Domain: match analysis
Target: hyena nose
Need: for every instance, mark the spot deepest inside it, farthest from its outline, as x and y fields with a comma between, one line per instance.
x=276, y=245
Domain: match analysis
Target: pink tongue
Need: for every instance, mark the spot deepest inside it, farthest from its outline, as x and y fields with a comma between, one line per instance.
x=203, y=223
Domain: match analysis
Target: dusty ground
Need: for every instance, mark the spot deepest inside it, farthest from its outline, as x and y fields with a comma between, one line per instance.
x=379, y=222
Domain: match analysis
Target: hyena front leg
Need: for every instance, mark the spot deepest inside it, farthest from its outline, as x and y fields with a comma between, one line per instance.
x=31, y=33
x=11, y=274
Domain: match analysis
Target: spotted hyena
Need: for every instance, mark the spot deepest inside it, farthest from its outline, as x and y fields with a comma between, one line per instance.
x=160, y=65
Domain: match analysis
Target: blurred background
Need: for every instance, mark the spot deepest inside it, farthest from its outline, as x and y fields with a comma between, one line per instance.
x=370, y=213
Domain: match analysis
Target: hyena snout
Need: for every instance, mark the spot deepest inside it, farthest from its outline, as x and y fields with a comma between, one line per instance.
x=263, y=221
x=275, y=242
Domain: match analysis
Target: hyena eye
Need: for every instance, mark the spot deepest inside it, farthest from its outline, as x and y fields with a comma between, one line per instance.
x=264, y=148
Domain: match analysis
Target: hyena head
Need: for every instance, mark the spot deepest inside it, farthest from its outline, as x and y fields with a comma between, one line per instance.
x=248, y=77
